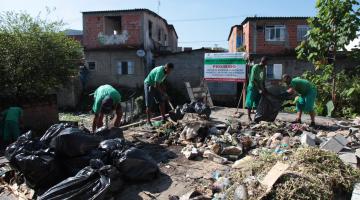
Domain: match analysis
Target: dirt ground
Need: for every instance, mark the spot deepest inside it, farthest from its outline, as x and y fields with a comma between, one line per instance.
x=179, y=175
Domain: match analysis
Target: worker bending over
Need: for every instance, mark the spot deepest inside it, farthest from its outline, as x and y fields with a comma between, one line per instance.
x=106, y=99
x=13, y=120
x=306, y=99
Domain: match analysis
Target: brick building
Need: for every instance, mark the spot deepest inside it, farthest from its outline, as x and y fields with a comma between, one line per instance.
x=276, y=37
x=75, y=34
x=119, y=45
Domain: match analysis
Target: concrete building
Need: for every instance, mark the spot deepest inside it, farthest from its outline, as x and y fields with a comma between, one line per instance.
x=120, y=45
x=189, y=67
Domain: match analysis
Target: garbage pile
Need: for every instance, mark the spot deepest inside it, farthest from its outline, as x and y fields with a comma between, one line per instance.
x=70, y=163
x=273, y=160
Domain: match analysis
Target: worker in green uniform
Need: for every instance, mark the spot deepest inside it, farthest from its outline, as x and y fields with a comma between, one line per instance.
x=306, y=99
x=13, y=120
x=256, y=86
x=106, y=99
x=154, y=89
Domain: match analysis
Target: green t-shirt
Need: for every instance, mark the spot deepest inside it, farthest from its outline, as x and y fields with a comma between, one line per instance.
x=258, y=74
x=103, y=91
x=157, y=75
x=13, y=114
x=301, y=86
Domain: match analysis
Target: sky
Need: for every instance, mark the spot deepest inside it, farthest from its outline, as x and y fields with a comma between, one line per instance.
x=198, y=23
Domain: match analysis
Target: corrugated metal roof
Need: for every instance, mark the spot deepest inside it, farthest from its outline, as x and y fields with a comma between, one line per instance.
x=272, y=18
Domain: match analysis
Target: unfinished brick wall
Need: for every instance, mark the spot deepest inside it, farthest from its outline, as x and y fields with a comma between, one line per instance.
x=94, y=24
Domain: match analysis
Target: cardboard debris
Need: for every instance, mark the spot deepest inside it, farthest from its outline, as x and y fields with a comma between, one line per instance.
x=274, y=174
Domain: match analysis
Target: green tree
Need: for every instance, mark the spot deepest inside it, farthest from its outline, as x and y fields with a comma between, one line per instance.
x=36, y=56
x=334, y=26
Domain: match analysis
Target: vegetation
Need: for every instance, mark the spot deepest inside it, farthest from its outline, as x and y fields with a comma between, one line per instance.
x=335, y=25
x=36, y=56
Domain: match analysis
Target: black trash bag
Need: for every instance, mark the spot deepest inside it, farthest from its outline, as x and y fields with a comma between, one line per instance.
x=188, y=108
x=73, y=165
x=136, y=165
x=177, y=114
x=53, y=131
x=89, y=183
x=268, y=108
x=72, y=142
x=113, y=144
x=116, y=180
x=202, y=109
x=24, y=142
x=107, y=134
x=40, y=168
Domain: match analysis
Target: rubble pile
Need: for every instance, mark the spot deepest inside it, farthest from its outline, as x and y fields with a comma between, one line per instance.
x=68, y=162
x=272, y=160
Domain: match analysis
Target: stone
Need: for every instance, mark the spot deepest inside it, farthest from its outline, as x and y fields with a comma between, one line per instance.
x=274, y=174
x=221, y=184
x=341, y=139
x=349, y=158
x=276, y=136
x=190, y=152
x=216, y=148
x=232, y=150
x=353, y=130
x=240, y=193
x=310, y=134
x=214, y=157
x=308, y=139
x=243, y=163
x=356, y=192
x=357, y=153
x=332, y=145
x=190, y=133
x=321, y=134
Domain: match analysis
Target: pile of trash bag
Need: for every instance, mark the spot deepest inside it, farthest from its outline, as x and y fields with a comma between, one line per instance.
x=194, y=107
x=70, y=163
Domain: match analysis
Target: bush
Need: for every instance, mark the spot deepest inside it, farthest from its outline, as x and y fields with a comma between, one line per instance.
x=36, y=56
x=347, y=91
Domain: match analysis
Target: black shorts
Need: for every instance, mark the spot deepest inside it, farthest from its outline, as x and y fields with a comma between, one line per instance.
x=152, y=96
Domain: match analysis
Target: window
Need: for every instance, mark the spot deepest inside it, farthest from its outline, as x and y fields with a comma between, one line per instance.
x=150, y=29
x=159, y=35
x=275, y=33
x=274, y=71
x=91, y=65
x=112, y=25
x=125, y=67
x=302, y=31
